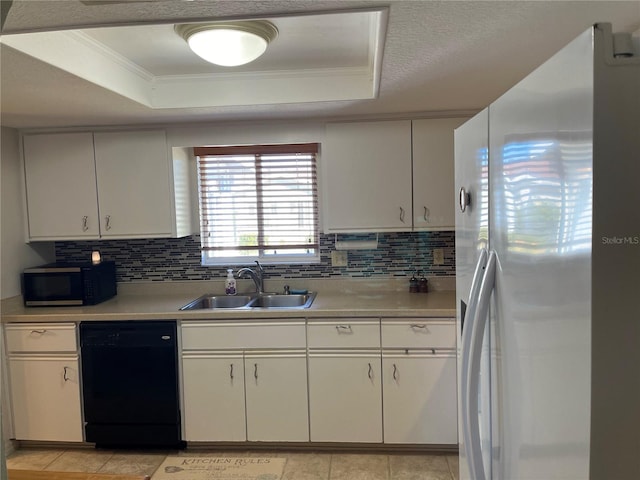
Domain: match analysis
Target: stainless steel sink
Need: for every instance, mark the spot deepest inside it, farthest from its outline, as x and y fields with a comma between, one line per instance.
x=283, y=301
x=265, y=300
x=218, y=301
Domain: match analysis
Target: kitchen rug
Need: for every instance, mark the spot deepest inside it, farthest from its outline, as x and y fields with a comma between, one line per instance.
x=220, y=468
x=47, y=475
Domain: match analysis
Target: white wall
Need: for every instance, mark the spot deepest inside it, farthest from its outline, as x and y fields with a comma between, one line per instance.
x=15, y=254
x=243, y=133
x=195, y=135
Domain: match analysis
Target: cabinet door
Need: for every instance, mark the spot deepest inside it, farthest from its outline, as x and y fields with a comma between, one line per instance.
x=134, y=184
x=345, y=398
x=420, y=403
x=433, y=169
x=62, y=201
x=213, y=388
x=45, y=395
x=277, y=404
x=367, y=176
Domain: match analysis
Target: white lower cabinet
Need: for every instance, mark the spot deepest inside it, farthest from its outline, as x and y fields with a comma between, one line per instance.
x=45, y=394
x=345, y=398
x=419, y=380
x=344, y=380
x=255, y=389
x=44, y=373
x=326, y=380
x=277, y=405
x=345, y=383
x=214, y=401
x=419, y=393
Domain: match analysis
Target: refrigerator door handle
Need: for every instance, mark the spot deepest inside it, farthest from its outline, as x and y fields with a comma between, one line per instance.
x=467, y=331
x=473, y=375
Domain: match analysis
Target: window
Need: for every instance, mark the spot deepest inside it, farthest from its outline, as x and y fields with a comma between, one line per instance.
x=258, y=202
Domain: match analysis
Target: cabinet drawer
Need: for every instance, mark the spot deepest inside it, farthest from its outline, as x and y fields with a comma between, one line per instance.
x=245, y=335
x=419, y=333
x=344, y=333
x=41, y=337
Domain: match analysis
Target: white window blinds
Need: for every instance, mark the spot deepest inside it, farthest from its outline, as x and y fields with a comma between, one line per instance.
x=258, y=202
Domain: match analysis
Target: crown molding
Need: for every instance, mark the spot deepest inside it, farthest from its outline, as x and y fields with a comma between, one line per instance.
x=83, y=56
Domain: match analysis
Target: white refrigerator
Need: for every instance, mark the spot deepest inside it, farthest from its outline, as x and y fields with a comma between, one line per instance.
x=548, y=271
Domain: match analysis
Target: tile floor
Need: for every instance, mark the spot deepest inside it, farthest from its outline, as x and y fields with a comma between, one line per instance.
x=299, y=466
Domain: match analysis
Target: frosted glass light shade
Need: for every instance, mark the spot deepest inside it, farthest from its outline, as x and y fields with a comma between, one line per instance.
x=227, y=47
x=228, y=44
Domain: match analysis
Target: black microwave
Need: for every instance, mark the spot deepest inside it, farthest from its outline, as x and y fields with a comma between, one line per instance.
x=64, y=284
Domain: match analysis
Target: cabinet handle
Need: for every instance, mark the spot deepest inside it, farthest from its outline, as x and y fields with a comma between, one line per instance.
x=255, y=371
x=107, y=222
x=427, y=214
x=39, y=332
x=370, y=373
x=395, y=372
x=344, y=329
x=402, y=214
x=64, y=374
x=231, y=371
x=420, y=326
x=85, y=223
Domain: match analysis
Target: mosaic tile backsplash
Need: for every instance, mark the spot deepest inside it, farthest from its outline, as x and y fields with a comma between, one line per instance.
x=170, y=259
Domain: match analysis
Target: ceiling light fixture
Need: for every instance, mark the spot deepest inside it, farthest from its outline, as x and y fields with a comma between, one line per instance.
x=228, y=44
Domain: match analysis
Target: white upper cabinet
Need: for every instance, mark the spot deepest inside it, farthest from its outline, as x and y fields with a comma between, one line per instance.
x=367, y=176
x=60, y=186
x=134, y=184
x=389, y=176
x=103, y=185
x=433, y=185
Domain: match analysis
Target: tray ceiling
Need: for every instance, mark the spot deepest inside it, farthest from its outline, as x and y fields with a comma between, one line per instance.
x=316, y=57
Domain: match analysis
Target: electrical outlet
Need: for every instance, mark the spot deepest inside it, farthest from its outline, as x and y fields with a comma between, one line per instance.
x=338, y=258
x=438, y=256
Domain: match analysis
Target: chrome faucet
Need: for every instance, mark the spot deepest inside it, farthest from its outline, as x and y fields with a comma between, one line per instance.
x=256, y=275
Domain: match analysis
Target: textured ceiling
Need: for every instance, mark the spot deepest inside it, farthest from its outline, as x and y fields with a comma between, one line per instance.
x=449, y=56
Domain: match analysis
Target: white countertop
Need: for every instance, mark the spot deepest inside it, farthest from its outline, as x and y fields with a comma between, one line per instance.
x=153, y=302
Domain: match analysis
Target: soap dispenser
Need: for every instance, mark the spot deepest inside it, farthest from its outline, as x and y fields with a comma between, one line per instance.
x=230, y=283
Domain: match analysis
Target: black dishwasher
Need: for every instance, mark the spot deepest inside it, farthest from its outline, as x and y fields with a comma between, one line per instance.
x=130, y=383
